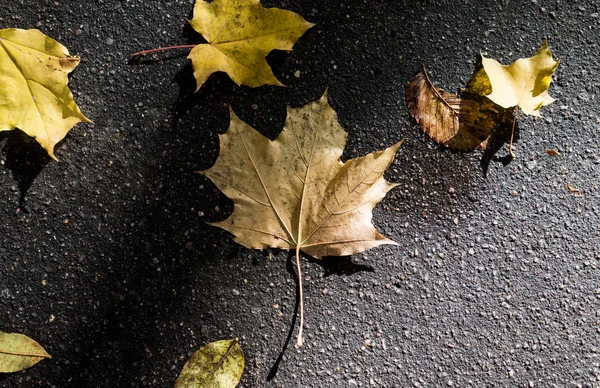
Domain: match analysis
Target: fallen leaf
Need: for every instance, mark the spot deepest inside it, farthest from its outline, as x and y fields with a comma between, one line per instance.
x=219, y=364
x=552, y=152
x=18, y=352
x=34, y=95
x=573, y=189
x=460, y=123
x=295, y=192
x=524, y=83
x=240, y=34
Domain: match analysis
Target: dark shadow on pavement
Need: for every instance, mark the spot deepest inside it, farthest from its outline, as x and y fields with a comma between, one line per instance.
x=340, y=265
x=25, y=159
x=332, y=265
x=495, y=144
x=290, y=267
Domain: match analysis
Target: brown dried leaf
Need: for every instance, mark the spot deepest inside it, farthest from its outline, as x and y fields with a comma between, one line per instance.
x=573, y=189
x=460, y=123
x=552, y=152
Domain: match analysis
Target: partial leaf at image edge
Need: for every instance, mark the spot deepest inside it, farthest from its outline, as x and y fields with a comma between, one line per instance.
x=34, y=96
x=18, y=352
x=219, y=364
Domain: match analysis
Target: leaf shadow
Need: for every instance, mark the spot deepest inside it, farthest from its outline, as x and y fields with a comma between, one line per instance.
x=25, y=158
x=332, y=265
x=340, y=265
x=291, y=269
x=495, y=143
x=151, y=60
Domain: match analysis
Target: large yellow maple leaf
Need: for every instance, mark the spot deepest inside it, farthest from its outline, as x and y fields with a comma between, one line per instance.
x=240, y=34
x=524, y=83
x=34, y=95
x=295, y=193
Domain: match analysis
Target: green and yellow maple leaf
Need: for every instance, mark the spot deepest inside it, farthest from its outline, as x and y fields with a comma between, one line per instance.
x=34, y=96
x=522, y=84
x=240, y=34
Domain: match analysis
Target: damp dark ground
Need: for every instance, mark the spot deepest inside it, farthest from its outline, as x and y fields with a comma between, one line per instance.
x=107, y=260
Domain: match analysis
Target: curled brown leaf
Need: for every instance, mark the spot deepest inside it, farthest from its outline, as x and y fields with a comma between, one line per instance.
x=460, y=123
x=573, y=189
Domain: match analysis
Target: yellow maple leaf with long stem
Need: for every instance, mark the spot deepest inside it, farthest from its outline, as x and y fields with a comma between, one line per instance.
x=295, y=193
x=34, y=96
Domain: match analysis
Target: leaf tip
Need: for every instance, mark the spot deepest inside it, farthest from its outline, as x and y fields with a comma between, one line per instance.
x=389, y=240
x=399, y=144
x=232, y=116
x=51, y=154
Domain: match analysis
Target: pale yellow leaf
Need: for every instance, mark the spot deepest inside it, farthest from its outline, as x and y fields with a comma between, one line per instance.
x=34, y=96
x=240, y=34
x=524, y=83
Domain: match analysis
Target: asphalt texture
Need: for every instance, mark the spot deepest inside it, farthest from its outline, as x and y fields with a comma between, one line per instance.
x=107, y=260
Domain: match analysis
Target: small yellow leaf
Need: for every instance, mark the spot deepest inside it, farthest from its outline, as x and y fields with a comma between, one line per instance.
x=219, y=364
x=18, y=352
x=240, y=34
x=524, y=83
x=552, y=152
x=34, y=95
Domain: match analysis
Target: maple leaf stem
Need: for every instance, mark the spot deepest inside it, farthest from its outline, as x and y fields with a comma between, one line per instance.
x=300, y=338
x=184, y=46
x=512, y=135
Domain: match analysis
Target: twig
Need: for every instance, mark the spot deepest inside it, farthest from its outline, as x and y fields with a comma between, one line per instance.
x=510, y=151
x=300, y=338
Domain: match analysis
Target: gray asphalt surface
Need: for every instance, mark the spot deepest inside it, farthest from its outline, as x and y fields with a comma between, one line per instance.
x=495, y=281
